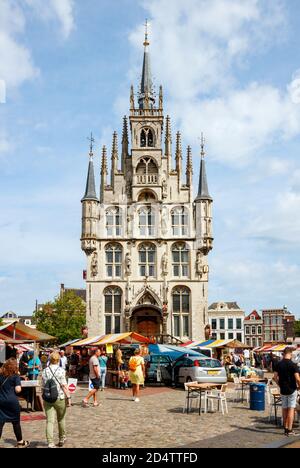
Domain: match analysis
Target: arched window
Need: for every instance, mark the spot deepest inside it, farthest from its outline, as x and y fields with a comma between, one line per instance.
x=114, y=222
x=113, y=255
x=180, y=259
x=143, y=139
x=112, y=310
x=181, y=311
x=147, y=138
x=147, y=260
x=147, y=171
x=180, y=221
x=146, y=221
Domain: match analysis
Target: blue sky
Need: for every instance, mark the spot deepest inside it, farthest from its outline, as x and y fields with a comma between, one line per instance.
x=229, y=68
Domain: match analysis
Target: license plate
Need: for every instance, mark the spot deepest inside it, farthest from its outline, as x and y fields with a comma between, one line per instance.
x=212, y=372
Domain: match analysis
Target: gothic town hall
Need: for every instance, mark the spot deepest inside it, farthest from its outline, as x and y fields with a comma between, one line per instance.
x=146, y=238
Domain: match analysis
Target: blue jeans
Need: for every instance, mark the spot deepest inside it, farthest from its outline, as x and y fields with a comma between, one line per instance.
x=103, y=371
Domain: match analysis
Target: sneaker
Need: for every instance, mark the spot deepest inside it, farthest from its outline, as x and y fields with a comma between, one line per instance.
x=62, y=442
x=137, y=400
x=293, y=434
x=23, y=444
x=52, y=445
x=85, y=403
x=133, y=398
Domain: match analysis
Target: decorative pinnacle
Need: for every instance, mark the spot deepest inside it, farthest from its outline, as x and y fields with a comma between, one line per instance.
x=104, y=161
x=189, y=159
x=115, y=145
x=92, y=141
x=146, y=43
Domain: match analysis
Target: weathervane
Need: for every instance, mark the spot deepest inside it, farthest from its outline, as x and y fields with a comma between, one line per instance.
x=92, y=141
x=146, y=43
x=202, y=145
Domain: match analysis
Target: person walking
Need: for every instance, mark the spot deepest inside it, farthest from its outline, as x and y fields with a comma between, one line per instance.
x=63, y=360
x=54, y=382
x=288, y=378
x=136, y=373
x=94, y=378
x=10, y=386
x=103, y=368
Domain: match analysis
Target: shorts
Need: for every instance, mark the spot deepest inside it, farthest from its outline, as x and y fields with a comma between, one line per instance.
x=289, y=401
x=96, y=383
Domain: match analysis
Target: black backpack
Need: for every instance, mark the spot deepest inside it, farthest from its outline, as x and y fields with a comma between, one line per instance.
x=50, y=392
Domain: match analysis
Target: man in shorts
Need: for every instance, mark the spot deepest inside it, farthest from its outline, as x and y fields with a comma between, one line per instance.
x=288, y=378
x=94, y=378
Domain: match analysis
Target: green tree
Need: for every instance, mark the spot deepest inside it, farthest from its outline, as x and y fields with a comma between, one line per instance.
x=297, y=328
x=62, y=318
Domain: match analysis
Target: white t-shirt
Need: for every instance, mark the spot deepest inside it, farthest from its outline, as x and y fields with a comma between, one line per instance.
x=63, y=362
x=246, y=354
x=58, y=374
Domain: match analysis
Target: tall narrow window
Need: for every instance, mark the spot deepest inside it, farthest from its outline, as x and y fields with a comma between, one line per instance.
x=147, y=138
x=113, y=253
x=180, y=257
x=114, y=222
x=179, y=221
x=147, y=260
x=146, y=221
x=181, y=311
x=112, y=310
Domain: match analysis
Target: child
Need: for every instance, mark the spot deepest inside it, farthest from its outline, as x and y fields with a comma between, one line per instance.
x=123, y=379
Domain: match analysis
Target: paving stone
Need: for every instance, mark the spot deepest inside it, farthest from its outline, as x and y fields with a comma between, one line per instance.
x=156, y=422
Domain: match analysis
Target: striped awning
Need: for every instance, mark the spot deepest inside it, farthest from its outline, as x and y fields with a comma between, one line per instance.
x=208, y=344
x=124, y=338
x=17, y=331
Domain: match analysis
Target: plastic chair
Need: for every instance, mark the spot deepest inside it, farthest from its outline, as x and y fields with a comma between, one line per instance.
x=219, y=396
x=237, y=389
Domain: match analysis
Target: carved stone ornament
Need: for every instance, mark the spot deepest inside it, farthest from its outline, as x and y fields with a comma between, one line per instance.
x=164, y=189
x=94, y=264
x=164, y=264
x=199, y=267
x=128, y=264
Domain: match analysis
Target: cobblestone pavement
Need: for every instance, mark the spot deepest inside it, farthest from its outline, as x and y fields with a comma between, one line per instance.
x=156, y=422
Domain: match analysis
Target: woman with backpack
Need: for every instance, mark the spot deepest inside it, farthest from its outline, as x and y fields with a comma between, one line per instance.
x=10, y=386
x=56, y=399
x=136, y=373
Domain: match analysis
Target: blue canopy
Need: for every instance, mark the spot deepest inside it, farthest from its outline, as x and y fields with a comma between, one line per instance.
x=173, y=351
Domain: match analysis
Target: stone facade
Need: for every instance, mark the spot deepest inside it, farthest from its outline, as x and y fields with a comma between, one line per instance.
x=227, y=321
x=146, y=238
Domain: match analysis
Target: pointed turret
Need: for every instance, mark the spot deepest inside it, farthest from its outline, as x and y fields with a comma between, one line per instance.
x=146, y=97
x=189, y=167
x=90, y=190
x=203, y=193
x=104, y=173
x=90, y=209
x=114, y=159
x=203, y=204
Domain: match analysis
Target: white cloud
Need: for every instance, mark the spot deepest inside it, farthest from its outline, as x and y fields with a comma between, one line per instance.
x=61, y=10
x=16, y=64
x=198, y=47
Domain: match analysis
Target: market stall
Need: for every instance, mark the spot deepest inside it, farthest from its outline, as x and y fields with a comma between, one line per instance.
x=18, y=337
x=118, y=348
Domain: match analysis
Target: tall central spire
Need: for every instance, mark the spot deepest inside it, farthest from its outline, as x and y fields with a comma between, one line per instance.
x=146, y=97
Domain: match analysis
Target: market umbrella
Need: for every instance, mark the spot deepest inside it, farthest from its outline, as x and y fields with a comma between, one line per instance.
x=237, y=345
